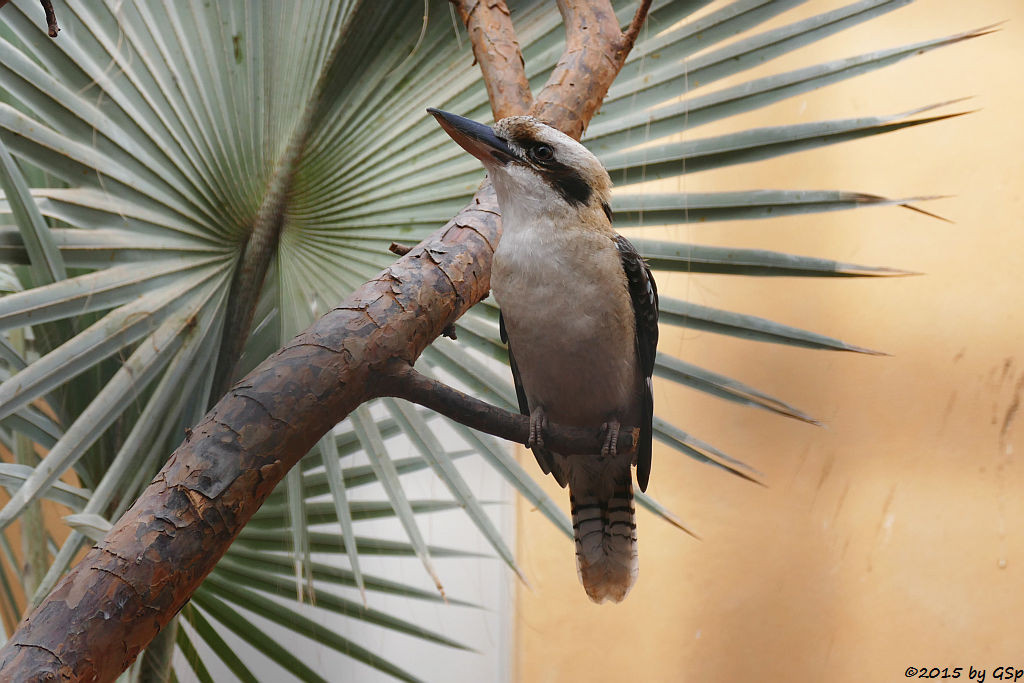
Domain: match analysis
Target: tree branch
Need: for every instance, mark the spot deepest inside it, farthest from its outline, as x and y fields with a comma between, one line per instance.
x=405, y=382
x=633, y=30
x=496, y=50
x=51, y=18
x=595, y=50
x=130, y=584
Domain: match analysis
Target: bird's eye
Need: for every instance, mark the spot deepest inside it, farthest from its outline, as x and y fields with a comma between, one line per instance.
x=542, y=153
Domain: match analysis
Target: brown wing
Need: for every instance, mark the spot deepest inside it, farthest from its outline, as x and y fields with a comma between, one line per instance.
x=543, y=456
x=643, y=292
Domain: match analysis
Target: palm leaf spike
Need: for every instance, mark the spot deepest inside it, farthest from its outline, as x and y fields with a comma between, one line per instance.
x=736, y=57
x=433, y=452
x=46, y=264
x=210, y=636
x=330, y=573
x=371, y=439
x=127, y=472
x=92, y=526
x=141, y=368
x=700, y=258
x=695, y=316
x=664, y=160
x=231, y=619
x=724, y=387
x=13, y=476
x=203, y=152
x=298, y=311
x=276, y=539
x=300, y=537
x=232, y=573
x=192, y=657
x=330, y=456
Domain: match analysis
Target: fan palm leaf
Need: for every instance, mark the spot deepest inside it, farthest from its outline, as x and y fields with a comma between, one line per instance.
x=161, y=139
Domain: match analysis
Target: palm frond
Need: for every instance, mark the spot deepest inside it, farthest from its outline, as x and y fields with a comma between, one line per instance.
x=136, y=153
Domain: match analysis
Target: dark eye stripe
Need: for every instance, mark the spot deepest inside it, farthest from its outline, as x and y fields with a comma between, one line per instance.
x=569, y=184
x=566, y=180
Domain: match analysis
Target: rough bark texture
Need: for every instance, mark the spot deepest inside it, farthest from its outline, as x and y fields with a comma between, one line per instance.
x=496, y=49
x=110, y=605
x=595, y=50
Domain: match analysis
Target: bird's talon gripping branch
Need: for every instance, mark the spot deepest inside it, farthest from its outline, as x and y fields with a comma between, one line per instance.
x=538, y=423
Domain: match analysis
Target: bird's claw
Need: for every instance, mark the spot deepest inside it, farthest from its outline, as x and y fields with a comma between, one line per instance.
x=610, y=431
x=538, y=423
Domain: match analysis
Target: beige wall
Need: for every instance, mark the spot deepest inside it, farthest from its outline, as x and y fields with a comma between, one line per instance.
x=892, y=538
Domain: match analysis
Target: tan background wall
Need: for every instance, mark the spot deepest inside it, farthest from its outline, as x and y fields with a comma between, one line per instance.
x=893, y=538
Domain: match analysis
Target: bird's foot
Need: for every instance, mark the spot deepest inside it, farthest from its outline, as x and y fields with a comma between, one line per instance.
x=538, y=423
x=610, y=432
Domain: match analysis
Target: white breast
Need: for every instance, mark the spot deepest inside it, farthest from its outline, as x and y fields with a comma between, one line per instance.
x=570, y=321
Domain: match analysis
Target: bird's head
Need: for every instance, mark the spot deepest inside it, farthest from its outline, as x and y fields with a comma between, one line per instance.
x=533, y=166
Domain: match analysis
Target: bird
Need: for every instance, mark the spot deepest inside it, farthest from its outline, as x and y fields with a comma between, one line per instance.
x=579, y=313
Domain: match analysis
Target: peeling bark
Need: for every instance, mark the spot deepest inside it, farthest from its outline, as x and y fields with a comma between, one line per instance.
x=109, y=606
x=496, y=50
x=595, y=50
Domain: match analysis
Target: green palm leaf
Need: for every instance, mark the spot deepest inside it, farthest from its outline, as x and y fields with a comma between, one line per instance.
x=138, y=152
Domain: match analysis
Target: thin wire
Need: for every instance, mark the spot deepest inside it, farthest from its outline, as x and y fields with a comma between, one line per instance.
x=682, y=185
x=419, y=41
x=455, y=25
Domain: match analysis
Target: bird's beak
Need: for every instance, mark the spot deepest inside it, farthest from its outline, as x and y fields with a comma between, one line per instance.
x=476, y=138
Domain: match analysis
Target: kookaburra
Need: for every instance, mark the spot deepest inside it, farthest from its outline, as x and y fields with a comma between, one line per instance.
x=579, y=311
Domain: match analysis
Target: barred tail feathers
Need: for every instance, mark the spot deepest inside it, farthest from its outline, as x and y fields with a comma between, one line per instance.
x=604, y=523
